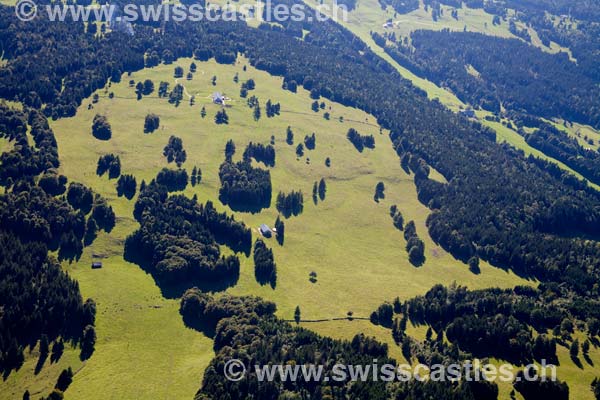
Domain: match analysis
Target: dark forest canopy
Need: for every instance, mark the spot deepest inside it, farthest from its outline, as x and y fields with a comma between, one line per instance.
x=172, y=179
x=247, y=325
x=243, y=186
x=509, y=74
x=498, y=322
x=26, y=160
x=572, y=24
x=178, y=238
x=581, y=9
x=559, y=145
x=110, y=163
x=38, y=300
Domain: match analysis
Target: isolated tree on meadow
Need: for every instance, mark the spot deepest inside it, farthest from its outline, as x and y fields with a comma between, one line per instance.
x=221, y=117
x=101, y=128
x=151, y=123
x=178, y=72
x=297, y=315
x=322, y=189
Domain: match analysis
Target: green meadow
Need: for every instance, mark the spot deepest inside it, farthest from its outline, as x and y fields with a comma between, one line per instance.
x=143, y=348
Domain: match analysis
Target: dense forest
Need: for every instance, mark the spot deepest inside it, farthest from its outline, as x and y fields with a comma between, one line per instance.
x=572, y=24
x=39, y=301
x=246, y=325
x=497, y=323
x=559, y=145
x=243, y=186
x=178, y=239
x=493, y=72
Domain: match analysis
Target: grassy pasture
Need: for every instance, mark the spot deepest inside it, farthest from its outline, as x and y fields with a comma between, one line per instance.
x=580, y=132
x=143, y=348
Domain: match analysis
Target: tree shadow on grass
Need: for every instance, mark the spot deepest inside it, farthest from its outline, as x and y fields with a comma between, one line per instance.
x=266, y=279
x=40, y=363
x=174, y=290
x=417, y=262
x=239, y=206
x=577, y=362
x=205, y=326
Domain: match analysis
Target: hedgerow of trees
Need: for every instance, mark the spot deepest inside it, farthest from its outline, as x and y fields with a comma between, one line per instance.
x=265, y=269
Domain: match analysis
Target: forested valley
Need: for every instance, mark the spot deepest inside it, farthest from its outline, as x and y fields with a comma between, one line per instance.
x=505, y=73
